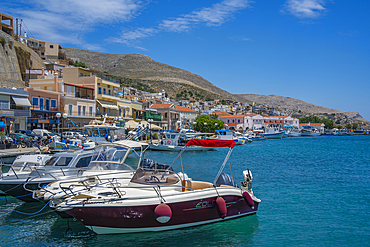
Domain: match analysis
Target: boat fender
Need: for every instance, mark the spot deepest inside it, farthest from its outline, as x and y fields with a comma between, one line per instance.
x=163, y=213
x=221, y=207
x=248, y=199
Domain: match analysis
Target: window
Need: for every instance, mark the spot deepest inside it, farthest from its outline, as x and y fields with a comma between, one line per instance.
x=70, y=108
x=4, y=104
x=238, y=120
x=104, y=91
x=53, y=103
x=99, y=90
x=109, y=92
x=51, y=46
x=63, y=161
x=41, y=104
x=35, y=101
x=69, y=90
x=81, y=75
x=83, y=162
x=84, y=110
x=90, y=110
x=79, y=110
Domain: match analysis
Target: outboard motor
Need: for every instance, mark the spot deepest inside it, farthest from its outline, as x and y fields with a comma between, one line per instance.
x=225, y=179
x=247, y=176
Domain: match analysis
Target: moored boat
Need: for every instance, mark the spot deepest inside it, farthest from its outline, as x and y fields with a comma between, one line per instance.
x=173, y=141
x=273, y=133
x=159, y=200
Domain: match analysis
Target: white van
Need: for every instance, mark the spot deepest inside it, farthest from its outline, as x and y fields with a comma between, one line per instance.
x=43, y=133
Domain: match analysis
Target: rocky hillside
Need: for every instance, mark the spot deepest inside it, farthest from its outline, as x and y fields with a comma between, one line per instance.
x=141, y=67
x=15, y=58
x=289, y=105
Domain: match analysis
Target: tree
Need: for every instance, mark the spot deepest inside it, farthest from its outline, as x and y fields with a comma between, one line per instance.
x=80, y=64
x=210, y=126
x=339, y=126
x=354, y=126
x=348, y=126
x=329, y=123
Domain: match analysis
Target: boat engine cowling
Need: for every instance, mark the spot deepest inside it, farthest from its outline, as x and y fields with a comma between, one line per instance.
x=247, y=176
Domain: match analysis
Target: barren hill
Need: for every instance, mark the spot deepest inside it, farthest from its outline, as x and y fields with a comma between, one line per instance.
x=287, y=104
x=137, y=66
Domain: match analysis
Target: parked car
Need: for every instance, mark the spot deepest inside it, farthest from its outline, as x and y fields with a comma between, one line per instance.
x=44, y=133
x=19, y=137
x=68, y=135
x=79, y=135
x=29, y=133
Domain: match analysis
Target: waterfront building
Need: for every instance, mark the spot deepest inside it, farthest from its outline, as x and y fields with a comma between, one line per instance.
x=244, y=122
x=45, y=96
x=105, y=92
x=171, y=117
x=79, y=104
x=14, y=109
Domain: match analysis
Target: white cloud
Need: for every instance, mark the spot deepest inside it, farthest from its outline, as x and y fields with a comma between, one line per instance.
x=127, y=37
x=66, y=21
x=305, y=8
x=215, y=15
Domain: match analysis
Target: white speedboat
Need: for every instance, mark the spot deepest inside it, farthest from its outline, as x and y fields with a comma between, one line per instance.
x=59, y=166
x=12, y=176
x=160, y=199
x=310, y=131
x=107, y=160
x=173, y=141
x=227, y=135
x=273, y=133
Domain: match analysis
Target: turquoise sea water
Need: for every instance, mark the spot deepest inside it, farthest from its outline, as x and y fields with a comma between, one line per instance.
x=314, y=191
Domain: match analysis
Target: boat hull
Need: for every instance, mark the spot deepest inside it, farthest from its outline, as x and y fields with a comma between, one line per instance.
x=111, y=219
x=274, y=135
x=17, y=190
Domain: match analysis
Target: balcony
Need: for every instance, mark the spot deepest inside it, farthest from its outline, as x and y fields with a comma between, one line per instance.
x=15, y=113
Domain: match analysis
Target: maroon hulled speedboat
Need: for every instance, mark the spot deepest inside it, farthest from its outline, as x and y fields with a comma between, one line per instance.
x=158, y=199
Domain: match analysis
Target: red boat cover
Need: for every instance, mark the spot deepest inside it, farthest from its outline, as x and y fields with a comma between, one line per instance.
x=211, y=143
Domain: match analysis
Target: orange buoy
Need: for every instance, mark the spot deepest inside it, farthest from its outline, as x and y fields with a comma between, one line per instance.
x=248, y=199
x=163, y=213
x=221, y=207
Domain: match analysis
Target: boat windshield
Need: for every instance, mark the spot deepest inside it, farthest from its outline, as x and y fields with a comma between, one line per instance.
x=155, y=177
x=109, y=158
x=60, y=161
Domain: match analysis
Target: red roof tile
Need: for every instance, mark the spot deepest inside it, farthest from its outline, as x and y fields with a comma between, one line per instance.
x=182, y=108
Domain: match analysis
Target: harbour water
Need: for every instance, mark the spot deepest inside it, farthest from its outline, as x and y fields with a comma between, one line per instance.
x=315, y=191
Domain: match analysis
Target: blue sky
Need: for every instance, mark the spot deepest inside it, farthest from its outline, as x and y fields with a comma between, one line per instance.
x=314, y=50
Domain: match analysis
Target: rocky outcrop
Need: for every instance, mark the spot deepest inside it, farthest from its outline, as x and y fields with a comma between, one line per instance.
x=10, y=71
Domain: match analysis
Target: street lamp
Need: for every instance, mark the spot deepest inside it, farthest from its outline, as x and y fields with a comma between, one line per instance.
x=58, y=115
x=65, y=115
x=150, y=128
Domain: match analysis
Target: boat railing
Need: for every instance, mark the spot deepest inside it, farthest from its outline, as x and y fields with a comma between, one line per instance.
x=31, y=167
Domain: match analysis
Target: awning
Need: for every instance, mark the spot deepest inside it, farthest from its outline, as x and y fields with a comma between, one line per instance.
x=21, y=101
x=107, y=104
x=211, y=143
x=2, y=124
x=122, y=105
x=137, y=109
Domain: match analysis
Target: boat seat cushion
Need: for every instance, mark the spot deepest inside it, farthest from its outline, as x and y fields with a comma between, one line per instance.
x=197, y=185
